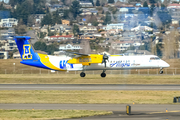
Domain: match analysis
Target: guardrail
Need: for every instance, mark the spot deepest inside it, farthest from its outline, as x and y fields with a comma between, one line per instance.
x=168, y=71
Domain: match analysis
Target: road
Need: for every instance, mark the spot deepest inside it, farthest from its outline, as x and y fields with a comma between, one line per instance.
x=88, y=87
x=138, y=112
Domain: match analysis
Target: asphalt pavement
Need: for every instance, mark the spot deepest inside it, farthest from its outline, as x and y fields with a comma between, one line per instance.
x=138, y=111
x=88, y=87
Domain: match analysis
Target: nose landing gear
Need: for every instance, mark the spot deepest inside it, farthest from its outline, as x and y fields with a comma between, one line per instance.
x=161, y=71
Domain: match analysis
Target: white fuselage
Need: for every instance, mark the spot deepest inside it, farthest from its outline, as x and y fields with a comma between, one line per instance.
x=113, y=63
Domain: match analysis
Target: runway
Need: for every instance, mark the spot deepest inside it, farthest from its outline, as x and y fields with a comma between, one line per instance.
x=89, y=87
x=138, y=112
x=108, y=107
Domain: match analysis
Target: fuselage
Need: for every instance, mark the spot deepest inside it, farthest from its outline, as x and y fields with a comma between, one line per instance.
x=113, y=63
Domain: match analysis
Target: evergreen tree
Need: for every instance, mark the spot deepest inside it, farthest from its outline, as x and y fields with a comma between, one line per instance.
x=97, y=3
x=152, y=9
x=110, y=1
x=152, y=1
x=145, y=4
x=37, y=45
x=56, y=18
x=51, y=48
x=47, y=20
x=43, y=46
x=107, y=18
x=75, y=30
x=91, y=2
x=75, y=8
x=165, y=17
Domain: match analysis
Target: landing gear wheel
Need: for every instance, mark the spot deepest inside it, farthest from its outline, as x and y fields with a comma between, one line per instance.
x=161, y=71
x=82, y=74
x=103, y=74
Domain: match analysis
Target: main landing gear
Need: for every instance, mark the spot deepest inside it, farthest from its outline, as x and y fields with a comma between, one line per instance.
x=82, y=74
x=103, y=74
x=161, y=71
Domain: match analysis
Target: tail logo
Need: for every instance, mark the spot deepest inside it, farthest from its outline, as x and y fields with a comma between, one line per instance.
x=27, y=53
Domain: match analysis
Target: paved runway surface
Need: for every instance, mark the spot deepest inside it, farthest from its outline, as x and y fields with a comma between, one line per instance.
x=87, y=87
x=109, y=107
x=139, y=112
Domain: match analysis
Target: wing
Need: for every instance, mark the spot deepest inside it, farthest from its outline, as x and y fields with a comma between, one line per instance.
x=75, y=54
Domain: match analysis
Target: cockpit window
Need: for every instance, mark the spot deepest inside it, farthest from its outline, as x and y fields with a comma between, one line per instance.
x=154, y=58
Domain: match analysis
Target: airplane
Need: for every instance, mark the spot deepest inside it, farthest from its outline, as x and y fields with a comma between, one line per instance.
x=85, y=62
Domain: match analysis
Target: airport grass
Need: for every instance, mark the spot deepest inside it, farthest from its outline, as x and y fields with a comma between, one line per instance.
x=96, y=96
x=47, y=114
x=89, y=79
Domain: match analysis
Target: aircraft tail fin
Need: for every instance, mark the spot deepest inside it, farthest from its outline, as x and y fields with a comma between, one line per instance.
x=25, y=48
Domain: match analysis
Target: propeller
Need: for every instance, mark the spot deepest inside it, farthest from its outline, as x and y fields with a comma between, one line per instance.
x=105, y=58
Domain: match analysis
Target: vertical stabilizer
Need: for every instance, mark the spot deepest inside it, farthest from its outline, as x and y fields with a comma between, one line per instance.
x=25, y=49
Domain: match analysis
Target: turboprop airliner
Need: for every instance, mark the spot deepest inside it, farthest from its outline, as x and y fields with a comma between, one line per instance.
x=84, y=62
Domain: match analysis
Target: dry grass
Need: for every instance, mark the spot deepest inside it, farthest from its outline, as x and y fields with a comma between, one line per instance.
x=89, y=79
x=47, y=114
x=38, y=96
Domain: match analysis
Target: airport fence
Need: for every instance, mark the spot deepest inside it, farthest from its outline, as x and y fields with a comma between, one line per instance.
x=168, y=71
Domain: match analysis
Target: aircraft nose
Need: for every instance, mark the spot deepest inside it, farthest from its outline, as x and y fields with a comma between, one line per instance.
x=165, y=64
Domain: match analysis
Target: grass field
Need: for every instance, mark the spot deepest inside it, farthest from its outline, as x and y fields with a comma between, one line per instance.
x=89, y=79
x=47, y=114
x=98, y=96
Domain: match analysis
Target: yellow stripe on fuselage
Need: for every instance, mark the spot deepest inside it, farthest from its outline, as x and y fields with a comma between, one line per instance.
x=45, y=60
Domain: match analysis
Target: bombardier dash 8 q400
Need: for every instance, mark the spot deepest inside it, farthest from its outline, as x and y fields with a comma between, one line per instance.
x=83, y=62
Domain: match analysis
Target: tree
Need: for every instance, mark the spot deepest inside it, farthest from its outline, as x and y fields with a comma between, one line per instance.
x=75, y=30
x=51, y=48
x=30, y=21
x=63, y=1
x=97, y=3
x=24, y=8
x=152, y=9
x=95, y=23
x=165, y=17
x=107, y=18
x=152, y=1
x=21, y=29
x=43, y=46
x=54, y=2
x=171, y=45
x=47, y=20
x=145, y=4
x=56, y=18
x=37, y=45
x=41, y=34
x=75, y=8
x=110, y=1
